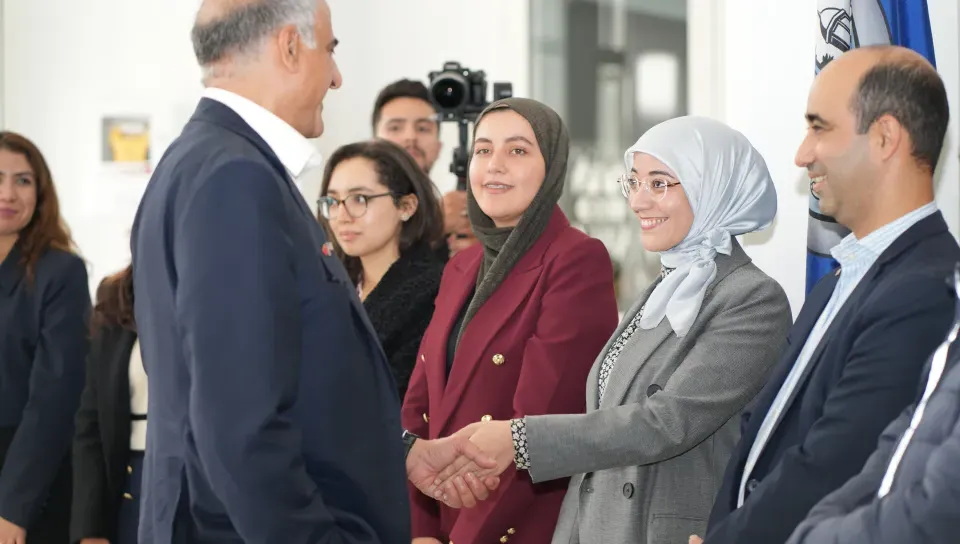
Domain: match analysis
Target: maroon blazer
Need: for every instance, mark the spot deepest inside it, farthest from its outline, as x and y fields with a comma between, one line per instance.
x=527, y=351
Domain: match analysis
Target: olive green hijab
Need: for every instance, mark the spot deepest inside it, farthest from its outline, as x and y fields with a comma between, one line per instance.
x=503, y=247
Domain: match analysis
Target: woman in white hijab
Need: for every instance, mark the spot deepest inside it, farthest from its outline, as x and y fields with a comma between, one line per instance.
x=664, y=395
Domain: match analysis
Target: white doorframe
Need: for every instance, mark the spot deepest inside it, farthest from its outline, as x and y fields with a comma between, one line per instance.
x=706, y=58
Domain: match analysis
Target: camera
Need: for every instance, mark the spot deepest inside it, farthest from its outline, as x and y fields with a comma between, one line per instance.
x=459, y=95
x=459, y=92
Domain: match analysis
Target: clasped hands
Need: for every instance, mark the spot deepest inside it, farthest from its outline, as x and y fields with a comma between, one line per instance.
x=464, y=468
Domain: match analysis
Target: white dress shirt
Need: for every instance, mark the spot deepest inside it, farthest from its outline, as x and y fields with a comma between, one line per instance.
x=295, y=151
x=138, y=400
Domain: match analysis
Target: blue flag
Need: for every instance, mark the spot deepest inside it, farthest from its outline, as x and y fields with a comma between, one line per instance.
x=846, y=25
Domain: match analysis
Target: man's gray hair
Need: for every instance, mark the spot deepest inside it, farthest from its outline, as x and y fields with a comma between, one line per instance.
x=242, y=30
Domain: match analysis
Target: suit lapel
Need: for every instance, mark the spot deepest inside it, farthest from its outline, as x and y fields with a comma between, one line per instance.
x=593, y=379
x=219, y=114
x=837, y=326
x=480, y=333
x=115, y=378
x=925, y=228
x=815, y=304
x=492, y=316
x=620, y=378
x=211, y=111
x=445, y=315
x=642, y=344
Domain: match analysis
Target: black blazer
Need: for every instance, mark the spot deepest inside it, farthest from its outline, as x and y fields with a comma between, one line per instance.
x=101, y=446
x=43, y=342
x=865, y=371
x=400, y=308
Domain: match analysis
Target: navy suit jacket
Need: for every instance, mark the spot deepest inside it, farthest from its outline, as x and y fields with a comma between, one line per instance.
x=865, y=371
x=273, y=413
x=43, y=343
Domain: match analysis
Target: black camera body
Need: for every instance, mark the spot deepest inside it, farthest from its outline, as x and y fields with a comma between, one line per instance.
x=459, y=92
x=460, y=95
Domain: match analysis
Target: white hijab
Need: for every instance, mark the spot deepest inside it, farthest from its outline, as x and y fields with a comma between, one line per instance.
x=731, y=193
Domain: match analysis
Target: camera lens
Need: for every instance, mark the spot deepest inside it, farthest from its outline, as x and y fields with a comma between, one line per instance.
x=448, y=93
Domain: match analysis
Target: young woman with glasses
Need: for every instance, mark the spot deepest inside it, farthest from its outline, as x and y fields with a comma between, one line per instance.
x=384, y=215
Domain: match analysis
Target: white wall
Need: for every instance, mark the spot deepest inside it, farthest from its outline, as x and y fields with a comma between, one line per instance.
x=67, y=63
x=756, y=61
x=752, y=65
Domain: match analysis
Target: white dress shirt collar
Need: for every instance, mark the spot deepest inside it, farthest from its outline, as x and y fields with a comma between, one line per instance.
x=296, y=153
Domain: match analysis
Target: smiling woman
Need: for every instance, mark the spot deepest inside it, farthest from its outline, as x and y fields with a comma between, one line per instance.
x=507, y=168
x=519, y=320
x=44, y=303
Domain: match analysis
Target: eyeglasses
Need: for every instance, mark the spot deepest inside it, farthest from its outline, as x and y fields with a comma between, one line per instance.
x=356, y=205
x=655, y=187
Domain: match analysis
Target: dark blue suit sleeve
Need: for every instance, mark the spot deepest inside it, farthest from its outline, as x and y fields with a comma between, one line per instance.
x=42, y=440
x=926, y=511
x=859, y=490
x=238, y=306
x=879, y=379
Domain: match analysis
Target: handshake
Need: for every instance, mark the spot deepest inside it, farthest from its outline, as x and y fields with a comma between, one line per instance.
x=464, y=468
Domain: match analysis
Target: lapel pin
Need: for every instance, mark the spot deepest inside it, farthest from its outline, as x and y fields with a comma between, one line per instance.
x=327, y=249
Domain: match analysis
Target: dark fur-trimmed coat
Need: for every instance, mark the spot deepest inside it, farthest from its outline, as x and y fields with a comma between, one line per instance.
x=400, y=308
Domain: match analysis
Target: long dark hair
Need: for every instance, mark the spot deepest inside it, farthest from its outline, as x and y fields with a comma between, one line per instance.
x=46, y=229
x=114, y=307
x=402, y=176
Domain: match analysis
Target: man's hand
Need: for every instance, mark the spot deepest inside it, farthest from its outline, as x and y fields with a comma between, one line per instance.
x=493, y=438
x=456, y=223
x=428, y=458
x=94, y=541
x=418, y=540
x=694, y=539
x=11, y=533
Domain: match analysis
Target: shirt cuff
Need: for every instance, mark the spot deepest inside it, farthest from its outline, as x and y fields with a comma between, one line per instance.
x=521, y=455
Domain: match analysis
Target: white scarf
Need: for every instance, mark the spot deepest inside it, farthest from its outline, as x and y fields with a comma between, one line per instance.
x=730, y=191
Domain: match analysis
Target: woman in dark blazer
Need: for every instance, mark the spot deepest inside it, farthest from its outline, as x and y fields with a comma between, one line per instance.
x=44, y=306
x=111, y=423
x=519, y=320
x=383, y=213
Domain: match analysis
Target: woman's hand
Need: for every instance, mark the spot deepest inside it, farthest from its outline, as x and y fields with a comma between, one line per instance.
x=494, y=439
x=94, y=541
x=418, y=540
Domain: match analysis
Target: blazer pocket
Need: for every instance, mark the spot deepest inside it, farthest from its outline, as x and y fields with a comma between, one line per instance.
x=667, y=528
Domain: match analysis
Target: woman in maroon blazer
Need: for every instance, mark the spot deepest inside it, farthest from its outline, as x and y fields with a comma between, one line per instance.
x=519, y=320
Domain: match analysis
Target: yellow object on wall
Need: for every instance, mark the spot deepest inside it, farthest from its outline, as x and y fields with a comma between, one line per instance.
x=129, y=147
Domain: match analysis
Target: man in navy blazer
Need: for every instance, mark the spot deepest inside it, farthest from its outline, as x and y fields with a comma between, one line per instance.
x=907, y=490
x=877, y=118
x=273, y=414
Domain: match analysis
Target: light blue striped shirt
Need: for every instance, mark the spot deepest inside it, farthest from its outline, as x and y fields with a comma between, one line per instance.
x=855, y=258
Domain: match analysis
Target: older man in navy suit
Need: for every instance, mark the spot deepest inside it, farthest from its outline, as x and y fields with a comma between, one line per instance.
x=273, y=415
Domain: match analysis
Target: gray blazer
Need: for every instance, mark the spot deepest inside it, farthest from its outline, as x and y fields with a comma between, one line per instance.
x=648, y=462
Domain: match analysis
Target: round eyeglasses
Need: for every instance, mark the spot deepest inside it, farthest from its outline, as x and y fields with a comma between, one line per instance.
x=656, y=187
x=356, y=205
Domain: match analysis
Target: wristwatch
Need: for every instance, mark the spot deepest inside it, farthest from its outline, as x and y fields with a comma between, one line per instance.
x=408, y=440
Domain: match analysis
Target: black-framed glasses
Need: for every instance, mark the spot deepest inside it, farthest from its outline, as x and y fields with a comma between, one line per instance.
x=656, y=187
x=356, y=205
